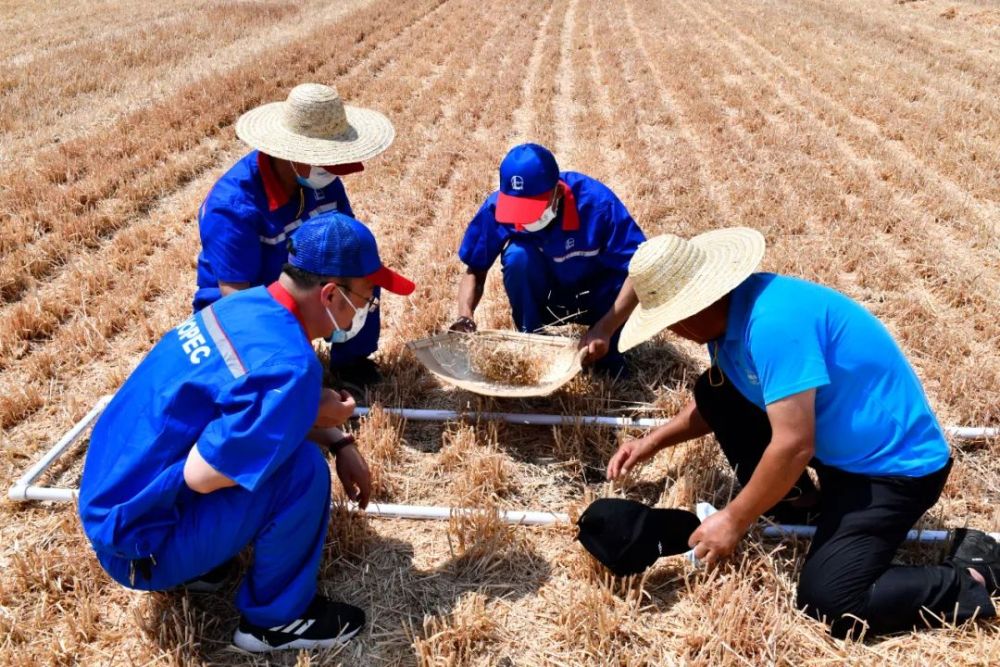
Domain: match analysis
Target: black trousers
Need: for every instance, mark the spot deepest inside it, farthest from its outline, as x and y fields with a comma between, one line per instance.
x=863, y=520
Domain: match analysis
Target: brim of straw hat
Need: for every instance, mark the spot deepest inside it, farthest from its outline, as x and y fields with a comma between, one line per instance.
x=262, y=128
x=731, y=256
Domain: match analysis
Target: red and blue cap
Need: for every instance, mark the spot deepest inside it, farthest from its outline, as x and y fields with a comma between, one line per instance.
x=335, y=244
x=528, y=175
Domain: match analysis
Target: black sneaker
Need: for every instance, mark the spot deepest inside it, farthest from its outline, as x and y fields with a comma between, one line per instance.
x=325, y=624
x=356, y=377
x=975, y=549
x=213, y=580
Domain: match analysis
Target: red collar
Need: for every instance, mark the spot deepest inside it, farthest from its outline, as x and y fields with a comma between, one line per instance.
x=571, y=216
x=281, y=295
x=277, y=195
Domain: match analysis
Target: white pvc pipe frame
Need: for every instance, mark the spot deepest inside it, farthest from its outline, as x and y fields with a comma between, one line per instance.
x=24, y=488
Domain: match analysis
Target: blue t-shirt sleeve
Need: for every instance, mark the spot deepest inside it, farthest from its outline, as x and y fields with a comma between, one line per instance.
x=230, y=241
x=624, y=235
x=788, y=353
x=263, y=416
x=483, y=239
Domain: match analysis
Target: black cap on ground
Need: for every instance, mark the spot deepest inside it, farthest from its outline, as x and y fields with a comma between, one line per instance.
x=628, y=536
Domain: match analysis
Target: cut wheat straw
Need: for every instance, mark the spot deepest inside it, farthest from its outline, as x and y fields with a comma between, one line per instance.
x=506, y=362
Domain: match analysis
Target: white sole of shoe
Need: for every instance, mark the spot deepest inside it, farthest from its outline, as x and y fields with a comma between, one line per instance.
x=251, y=644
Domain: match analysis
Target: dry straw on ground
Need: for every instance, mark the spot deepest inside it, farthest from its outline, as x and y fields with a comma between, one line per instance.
x=861, y=137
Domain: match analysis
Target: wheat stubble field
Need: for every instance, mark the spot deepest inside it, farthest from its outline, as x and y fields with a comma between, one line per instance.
x=862, y=137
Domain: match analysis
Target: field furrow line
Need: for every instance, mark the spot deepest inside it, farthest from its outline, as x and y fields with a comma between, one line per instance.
x=541, y=104
x=923, y=176
x=57, y=385
x=869, y=167
x=422, y=165
x=974, y=51
x=523, y=125
x=20, y=397
x=562, y=107
x=591, y=107
x=465, y=179
x=139, y=80
x=671, y=137
x=37, y=316
x=35, y=369
x=920, y=302
x=468, y=112
x=66, y=199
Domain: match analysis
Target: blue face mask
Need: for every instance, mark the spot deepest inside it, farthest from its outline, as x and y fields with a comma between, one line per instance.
x=357, y=322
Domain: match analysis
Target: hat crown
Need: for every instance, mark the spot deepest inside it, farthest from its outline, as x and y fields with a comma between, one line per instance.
x=334, y=244
x=663, y=266
x=528, y=170
x=316, y=111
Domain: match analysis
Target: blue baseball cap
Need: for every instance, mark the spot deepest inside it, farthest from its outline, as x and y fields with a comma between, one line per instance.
x=528, y=175
x=334, y=244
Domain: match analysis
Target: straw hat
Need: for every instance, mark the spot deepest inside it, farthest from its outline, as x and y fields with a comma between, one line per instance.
x=314, y=126
x=675, y=278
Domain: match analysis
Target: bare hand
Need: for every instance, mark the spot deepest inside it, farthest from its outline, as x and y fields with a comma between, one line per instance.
x=463, y=325
x=717, y=537
x=354, y=475
x=596, y=342
x=335, y=408
x=628, y=455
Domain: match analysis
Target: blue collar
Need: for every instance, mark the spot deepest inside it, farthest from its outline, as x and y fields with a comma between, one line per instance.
x=736, y=318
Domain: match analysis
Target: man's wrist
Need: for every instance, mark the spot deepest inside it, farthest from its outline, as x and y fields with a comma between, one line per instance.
x=743, y=517
x=339, y=445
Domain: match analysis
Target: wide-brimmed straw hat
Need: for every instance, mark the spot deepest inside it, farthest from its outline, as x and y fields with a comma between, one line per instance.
x=675, y=278
x=314, y=126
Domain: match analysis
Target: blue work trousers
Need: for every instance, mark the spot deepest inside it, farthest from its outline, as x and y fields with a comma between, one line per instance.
x=285, y=519
x=537, y=300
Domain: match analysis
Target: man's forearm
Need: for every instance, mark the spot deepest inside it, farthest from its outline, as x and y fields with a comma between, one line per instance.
x=201, y=477
x=686, y=425
x=470, y=292
x=624, y=304
x=780, y=467
x=228, y=288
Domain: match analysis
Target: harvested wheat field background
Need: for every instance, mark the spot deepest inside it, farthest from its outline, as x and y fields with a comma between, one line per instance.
x=862, y=137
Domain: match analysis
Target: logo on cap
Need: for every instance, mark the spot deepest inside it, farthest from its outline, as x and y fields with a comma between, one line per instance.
x=516, y=183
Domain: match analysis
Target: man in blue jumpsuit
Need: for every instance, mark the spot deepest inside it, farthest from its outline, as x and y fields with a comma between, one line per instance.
x=210, y=445
x=564, y=241
x=293, y=174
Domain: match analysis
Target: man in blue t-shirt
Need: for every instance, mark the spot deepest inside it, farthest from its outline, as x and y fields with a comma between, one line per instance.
x=211, y=445
x=802, y=375
x=302, y=149
x=564, y=241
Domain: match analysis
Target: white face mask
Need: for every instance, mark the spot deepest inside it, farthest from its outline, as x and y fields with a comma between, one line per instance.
x=548, y=215
x=357, y=322
x=317, y=179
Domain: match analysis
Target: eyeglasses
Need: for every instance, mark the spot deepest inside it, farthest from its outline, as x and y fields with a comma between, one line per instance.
x=371, y=303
